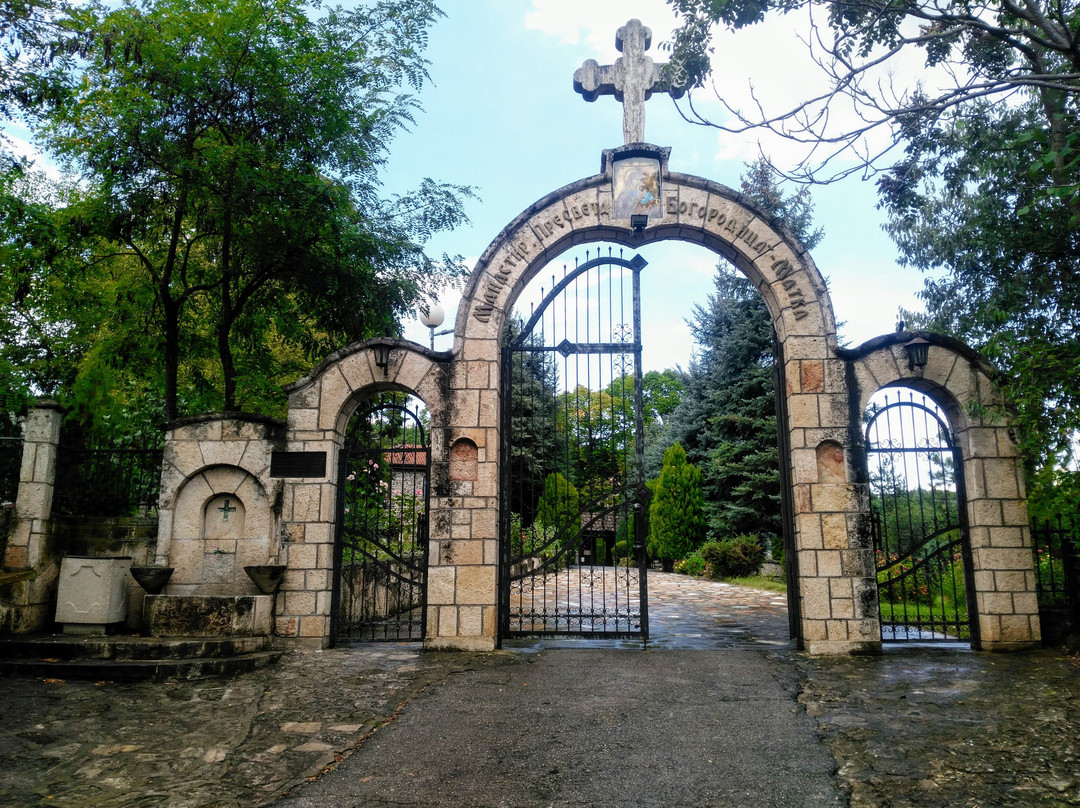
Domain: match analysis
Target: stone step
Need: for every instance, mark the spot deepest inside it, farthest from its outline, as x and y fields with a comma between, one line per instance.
x=105, y=647
x=137, y=670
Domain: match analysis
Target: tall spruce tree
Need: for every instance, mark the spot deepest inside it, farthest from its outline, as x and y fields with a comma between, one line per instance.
x=727, y=419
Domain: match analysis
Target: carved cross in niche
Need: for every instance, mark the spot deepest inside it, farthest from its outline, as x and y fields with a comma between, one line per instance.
x=632, y=79
x=225, y=511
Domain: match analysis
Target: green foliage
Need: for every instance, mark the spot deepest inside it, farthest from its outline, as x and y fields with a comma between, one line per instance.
x=538, y=446
x=228, y=152
x=1004, y=273
x=726, y=420
x=738, y=557
x=558, y=507
x=677, y=513
x=693, y=564
x=535, y=540
x=980, y=52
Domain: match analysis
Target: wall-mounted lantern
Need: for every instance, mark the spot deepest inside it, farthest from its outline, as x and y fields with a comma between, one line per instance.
x=382, y=358
x=918, y=352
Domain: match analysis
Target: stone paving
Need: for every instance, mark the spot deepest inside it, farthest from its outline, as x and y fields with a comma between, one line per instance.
x=913, y=727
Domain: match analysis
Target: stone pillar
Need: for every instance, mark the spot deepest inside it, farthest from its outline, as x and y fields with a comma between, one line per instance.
x=835, y=559
x=28, y=545
x=464, y=550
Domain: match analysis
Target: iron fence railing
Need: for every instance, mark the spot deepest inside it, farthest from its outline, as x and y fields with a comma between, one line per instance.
x=1057, y=565
x=106, y=482
x=10, y=463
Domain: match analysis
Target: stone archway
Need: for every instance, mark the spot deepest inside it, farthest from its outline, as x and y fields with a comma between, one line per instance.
x=962, y=383
x=821, y=386
x=832, y=579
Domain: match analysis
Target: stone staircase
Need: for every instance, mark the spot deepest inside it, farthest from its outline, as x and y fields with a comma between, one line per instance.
x=132, y=658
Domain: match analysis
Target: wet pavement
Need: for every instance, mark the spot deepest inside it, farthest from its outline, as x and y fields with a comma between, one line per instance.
x=719, y=710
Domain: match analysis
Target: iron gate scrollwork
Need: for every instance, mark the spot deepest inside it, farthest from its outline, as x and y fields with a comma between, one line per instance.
x=381, y=571
x=573, y=522
x=919, y=523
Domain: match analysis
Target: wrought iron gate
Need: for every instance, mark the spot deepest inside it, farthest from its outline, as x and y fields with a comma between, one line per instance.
x=573, y=521
x=381, y=570
x=922, y=552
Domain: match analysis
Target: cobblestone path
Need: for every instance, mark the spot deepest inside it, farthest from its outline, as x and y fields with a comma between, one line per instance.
x=909, y=728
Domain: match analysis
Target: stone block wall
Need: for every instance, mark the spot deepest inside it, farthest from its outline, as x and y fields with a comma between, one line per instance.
x=963, y=385
x=29, y=603
x=837, y=587
x=219, y=509
x=463, y=549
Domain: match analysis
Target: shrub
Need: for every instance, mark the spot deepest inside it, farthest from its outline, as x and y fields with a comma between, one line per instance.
x=694, y=564
x=734, y=558
x=677, y=511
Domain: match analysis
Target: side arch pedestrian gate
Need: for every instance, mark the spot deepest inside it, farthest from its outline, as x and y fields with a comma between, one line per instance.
x=573, y=531
x=380, y=589
x=919, y=522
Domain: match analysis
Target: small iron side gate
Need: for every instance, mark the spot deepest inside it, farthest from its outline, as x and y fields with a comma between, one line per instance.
x=575, y=501
x=380, y=586
x=919, y=521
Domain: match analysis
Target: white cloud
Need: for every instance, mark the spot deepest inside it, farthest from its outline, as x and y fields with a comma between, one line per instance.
x=594, y=22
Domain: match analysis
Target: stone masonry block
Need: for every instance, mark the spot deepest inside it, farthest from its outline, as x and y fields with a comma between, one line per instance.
x=834, y=498
x=986, y=512
x=1007, y=537
x=303, y=556
x=1001, y=482
x=828, y=563
x=441, y=584
x=478, y=375
x=470, y=621
x=836, y=629
x=489, y=408
x=314, y=626
x=1000, y=558
x=475, y=586
x=812, y=376
x=412, y=370
x=815, y=598
x=803, y=411
x=484, y=524
x=834, y=531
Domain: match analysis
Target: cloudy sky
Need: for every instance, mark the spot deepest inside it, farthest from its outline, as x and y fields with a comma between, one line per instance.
x=501, y=115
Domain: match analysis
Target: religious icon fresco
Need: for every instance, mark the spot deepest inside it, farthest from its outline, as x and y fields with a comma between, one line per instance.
x=635, y=188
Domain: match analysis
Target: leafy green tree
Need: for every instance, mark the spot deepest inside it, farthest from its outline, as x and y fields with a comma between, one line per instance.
x=538, y=448
x=558, y=507
x=1003, y=273
x=726, y=420
x=977, y=51
x=676, y=513
x=233, y=147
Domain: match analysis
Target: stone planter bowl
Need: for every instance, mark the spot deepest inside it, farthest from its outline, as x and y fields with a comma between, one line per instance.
x=266, y=577
x=152, y=578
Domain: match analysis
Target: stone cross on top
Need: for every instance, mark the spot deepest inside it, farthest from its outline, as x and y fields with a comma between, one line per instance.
x=632, y=79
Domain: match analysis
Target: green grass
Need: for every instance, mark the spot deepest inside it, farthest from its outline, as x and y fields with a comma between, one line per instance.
x=911, y=612
x=758, y=582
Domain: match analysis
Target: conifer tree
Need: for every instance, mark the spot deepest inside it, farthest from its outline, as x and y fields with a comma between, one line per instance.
x=677, y=510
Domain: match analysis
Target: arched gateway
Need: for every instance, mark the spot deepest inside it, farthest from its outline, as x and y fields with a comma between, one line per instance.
x=636, y=200
x=825, y=391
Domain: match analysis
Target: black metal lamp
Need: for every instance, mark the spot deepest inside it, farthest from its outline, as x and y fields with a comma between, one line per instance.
x=638, y=222
x=918, y=352
x=382, y=358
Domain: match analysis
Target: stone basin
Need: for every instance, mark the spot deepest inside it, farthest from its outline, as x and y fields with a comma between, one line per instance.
x=152, y=578
x=266, y=577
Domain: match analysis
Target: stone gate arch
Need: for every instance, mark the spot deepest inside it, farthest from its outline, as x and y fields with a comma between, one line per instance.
x=822, y=391
x=704, y=212
x=962, y=383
